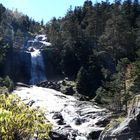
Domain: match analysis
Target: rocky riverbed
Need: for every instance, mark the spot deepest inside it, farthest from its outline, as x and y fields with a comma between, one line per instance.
x=71, y=118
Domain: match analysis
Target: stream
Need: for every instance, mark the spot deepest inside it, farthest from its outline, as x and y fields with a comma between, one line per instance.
x=71, y=118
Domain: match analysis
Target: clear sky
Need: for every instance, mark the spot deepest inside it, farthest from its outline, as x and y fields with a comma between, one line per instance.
x=42, y=9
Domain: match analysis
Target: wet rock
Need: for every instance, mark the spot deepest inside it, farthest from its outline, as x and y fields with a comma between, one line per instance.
x=58, y=116
x=83, y=98
x=127, y=129
x=103, y=122
x=30, y=103
x=94, y=135
x=63, y=82
x=22, y=84
x=43, y=84
x=49, y=84
x=61, y=85
x=68, y=90
x=79, y=121
x=57, y=136
x=68, y=133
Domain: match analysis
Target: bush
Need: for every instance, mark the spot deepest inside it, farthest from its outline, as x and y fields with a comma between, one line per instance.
x=98, y=97
x=18, y=121
x=4, y=90
x=7, y=82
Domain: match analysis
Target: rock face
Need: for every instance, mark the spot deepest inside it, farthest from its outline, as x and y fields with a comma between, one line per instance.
x=72, y=119
x=18, y=65
x=129, y=129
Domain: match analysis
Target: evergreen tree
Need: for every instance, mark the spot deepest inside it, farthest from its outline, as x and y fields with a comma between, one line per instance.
x=2, y=10
x=136, y=75
x=89, y=77
x=82, y=81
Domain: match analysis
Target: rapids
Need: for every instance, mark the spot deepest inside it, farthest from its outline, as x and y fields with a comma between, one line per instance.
x=69, y=116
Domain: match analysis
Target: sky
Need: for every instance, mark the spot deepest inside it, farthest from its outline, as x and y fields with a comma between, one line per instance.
x=42, y=9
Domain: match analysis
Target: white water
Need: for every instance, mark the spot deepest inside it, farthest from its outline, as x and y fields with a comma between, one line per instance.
x=37, y=67
x=70, y=108
x=37, y=64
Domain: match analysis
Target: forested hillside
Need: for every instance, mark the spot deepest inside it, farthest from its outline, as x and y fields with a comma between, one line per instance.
x=97, y=46
x=91, y=55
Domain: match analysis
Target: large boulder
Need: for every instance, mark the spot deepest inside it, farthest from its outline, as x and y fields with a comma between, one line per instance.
x=58, y=117
x=129, y=128
x=57, y=136
x=65, y=86
x=68, y=90
x=49, y=84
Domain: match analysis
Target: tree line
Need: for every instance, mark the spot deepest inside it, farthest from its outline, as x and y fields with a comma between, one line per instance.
x=98, y=46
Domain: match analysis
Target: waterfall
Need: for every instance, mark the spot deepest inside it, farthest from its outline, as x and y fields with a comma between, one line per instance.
x=34, y=47
x=37, y=67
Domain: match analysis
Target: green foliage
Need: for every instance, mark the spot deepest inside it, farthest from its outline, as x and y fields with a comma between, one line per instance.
x=69, y=61
x=4, y=90
x=82, y=84
x=115, y=91
x=136, y=74
x=3, y=50
x=114, y=123
x=101, y=96
x=18, y=121
x=103, y=27
x=7, y=82
x=2, y=10
x=89, y=78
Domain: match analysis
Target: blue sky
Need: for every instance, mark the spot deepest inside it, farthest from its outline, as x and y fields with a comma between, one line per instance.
x=42, y=9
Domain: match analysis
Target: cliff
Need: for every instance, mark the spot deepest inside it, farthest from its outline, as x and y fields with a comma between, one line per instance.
x=17, y=65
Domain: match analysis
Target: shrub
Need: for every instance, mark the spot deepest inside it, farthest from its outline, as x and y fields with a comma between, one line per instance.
x=7, y=82
x=18, y=121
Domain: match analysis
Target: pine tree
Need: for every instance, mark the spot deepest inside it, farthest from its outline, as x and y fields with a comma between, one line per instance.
x=2, y=10
x=82, y=81
x=89, y=77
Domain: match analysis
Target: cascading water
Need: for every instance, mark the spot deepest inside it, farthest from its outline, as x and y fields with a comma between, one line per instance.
x=37, y=67
x=34, y=47
x=72, y=119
